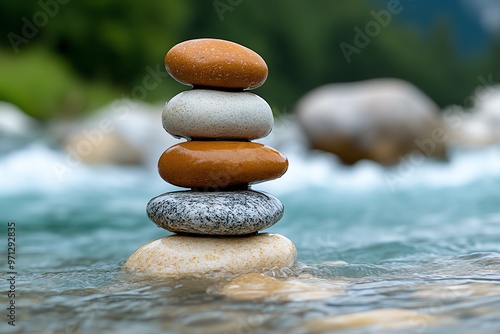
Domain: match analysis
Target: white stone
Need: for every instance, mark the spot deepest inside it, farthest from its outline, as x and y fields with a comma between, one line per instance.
x=212, y=114
x=178, y=255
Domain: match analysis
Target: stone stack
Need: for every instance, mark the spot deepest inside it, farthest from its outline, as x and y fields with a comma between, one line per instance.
x=216, y=222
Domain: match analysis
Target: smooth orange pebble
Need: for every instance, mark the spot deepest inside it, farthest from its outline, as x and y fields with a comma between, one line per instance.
x=213, y=165
x=217, y=63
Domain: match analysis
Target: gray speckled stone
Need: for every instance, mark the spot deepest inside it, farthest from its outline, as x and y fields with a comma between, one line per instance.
x=236, y=212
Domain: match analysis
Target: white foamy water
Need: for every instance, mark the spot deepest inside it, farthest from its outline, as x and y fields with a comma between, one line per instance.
x=39, y=168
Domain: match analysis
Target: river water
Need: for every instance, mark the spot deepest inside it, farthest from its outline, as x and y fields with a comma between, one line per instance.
x=421, y=237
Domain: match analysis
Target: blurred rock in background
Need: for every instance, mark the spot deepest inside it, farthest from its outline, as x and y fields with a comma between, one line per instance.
x=380, y=120
x=124, y=132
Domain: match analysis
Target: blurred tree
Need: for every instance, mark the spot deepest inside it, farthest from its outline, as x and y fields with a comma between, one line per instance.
x=118, y=44
x=45, y=86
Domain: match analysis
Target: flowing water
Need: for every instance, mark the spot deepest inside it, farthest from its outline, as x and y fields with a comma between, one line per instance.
x=423, y=237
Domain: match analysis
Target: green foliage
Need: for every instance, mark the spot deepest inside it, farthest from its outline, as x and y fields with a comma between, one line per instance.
x=94, y=45
x=44, y=86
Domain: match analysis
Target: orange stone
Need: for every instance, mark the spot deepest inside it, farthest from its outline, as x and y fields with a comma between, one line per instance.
x=215, y=63
x=213, y=165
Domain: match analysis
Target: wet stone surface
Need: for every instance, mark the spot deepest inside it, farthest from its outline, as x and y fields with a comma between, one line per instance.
x=215, y=213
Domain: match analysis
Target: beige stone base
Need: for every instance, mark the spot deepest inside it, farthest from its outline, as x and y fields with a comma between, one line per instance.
x=177, y=255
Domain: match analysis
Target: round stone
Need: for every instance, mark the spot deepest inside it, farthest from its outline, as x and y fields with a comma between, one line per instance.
x=215, y=213
x=215, y=63
x=177, y=256
x=215, y=165
x=255, y=286
x=212, y=114
x=392, y=320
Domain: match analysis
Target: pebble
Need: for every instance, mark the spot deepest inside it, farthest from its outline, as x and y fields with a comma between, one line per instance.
x=208, y=62
x=256, y=286
x=180, y=256
x=215, y=213
x=220, y=164
x=212, y=114
x=381, y=319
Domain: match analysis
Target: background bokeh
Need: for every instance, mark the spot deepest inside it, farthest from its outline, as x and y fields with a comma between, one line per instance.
x=63, y=59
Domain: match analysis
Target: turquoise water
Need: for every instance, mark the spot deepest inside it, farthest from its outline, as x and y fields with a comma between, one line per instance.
x=429, y=243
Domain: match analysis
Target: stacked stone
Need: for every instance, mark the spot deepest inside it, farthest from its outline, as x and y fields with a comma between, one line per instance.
x=217, y=221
